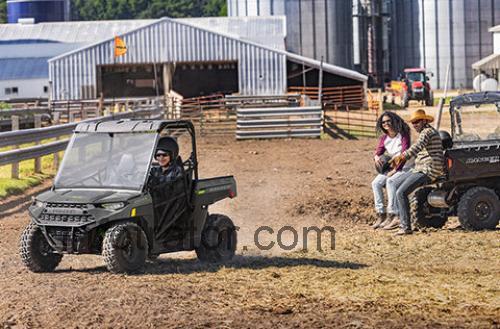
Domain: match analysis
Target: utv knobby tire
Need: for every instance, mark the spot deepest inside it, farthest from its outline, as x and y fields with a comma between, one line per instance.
x=422, y=214
x=479, y=209
x=36, y=253
x=218, y=240
x=125, y=248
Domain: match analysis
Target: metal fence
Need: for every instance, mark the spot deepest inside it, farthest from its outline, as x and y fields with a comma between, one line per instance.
x=13, y=139
x=278, y=122
x=347, y=123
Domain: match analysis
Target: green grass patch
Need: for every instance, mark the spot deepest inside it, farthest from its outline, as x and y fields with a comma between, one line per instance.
x=446, y=100
x=27, y=176
x=392, y=107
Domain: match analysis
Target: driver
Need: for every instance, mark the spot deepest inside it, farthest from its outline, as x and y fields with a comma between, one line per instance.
x=166, y=155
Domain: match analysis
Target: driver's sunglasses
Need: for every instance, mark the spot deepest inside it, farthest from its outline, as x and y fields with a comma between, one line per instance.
x=416, y=122
x=162, y=155
x=387, y=122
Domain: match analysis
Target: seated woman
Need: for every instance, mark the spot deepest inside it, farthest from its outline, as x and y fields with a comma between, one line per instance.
x=395, y=139
x=166, y=155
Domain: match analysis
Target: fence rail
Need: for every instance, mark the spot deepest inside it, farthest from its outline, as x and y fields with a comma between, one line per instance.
x=278, y=122
x=35, y=135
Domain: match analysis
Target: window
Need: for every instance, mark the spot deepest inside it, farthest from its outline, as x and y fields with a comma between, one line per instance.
x=45, y=89
x=11, y=90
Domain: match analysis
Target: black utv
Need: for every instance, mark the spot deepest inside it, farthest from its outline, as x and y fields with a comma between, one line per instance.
x=470, y=188
x=106, y=201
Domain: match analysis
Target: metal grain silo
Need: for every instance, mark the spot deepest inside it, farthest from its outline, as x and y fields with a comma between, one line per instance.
x=315, y=28
x=433, y=33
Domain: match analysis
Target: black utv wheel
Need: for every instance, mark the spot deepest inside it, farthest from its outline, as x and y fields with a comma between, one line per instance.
x=36, y=253
x=125, y=248
x=479, y=209
x=422, y=214
x=218, y=239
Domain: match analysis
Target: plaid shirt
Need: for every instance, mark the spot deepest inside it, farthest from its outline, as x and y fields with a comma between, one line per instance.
x=429, y=154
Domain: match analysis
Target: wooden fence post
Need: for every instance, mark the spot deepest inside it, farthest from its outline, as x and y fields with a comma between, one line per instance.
x=38, y=161
x=56, y=120
x=15, y=166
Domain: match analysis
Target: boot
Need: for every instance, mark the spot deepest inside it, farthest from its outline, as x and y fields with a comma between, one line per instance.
x=403, y=232
x=393, y=224
x=381, y=217
x=387, y=220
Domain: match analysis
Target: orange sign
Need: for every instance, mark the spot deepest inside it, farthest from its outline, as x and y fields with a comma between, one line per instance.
x=120, y=47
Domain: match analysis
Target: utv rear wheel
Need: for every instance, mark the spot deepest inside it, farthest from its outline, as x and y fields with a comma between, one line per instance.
x=125, y=248
x=36, y=253
x=479, y=209
x=422, y=214
x=218, y=240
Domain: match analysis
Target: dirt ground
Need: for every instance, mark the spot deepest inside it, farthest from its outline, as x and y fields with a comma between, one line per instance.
x=434, y=279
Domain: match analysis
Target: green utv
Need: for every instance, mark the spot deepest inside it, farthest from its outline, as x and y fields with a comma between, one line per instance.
x=105, y=201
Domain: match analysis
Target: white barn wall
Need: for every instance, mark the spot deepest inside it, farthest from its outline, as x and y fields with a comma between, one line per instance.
x=27, y=88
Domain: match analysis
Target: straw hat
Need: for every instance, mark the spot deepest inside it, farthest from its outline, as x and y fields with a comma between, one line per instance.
x=420, y=115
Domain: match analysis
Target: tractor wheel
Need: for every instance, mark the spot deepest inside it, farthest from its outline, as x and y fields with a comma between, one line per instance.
x=422, y=214
x=429, y=100
x=36, y=253
x=125, y=248
x=479, y=209
x=218, y=239
x=405, y=100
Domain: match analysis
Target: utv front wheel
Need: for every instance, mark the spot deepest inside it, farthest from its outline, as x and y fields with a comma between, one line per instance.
x=479, y=209
x=36, y=253
x=218, y=239
x=422, y=214
x=125, y=248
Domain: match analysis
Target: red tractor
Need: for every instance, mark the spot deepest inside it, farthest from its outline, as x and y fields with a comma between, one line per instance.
x=413, y=85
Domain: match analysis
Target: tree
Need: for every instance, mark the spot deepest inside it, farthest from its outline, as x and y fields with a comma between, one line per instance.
x=215, y=8
x=3, y=11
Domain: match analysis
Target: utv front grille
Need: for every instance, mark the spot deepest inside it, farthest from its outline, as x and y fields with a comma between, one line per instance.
x=66, y=218
x=66, y=213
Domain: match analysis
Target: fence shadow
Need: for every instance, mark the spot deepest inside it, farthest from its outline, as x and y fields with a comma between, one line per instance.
x=19, y=203
x=336, y=132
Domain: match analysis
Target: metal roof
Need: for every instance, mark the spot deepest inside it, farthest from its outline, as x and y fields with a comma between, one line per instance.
x=489, y=62
x=24, y=68
x=270, y=31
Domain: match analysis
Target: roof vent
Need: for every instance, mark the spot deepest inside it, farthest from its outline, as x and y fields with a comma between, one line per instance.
x=26, y=21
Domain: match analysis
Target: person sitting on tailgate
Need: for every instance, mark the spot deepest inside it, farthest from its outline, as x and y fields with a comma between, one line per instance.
x=166, y=155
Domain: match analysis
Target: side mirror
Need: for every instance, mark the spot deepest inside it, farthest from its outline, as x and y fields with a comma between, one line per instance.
x=427, y=78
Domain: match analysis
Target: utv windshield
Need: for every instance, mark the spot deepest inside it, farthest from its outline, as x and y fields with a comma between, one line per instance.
x=106, y=160
x=476, y=123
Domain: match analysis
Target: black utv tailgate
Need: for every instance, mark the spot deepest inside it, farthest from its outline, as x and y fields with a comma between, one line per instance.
x=211, y=190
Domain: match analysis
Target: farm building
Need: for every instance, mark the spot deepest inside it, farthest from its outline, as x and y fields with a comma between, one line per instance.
x=193, y=57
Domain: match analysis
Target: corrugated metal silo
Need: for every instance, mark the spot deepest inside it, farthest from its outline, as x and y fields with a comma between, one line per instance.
x=433, y=33
x=315, y=28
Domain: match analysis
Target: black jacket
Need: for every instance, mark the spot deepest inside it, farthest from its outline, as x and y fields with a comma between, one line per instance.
x=159, y=176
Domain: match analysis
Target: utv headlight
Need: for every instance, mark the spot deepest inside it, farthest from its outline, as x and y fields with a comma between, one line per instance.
x=38, y=204
x=113, y=205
